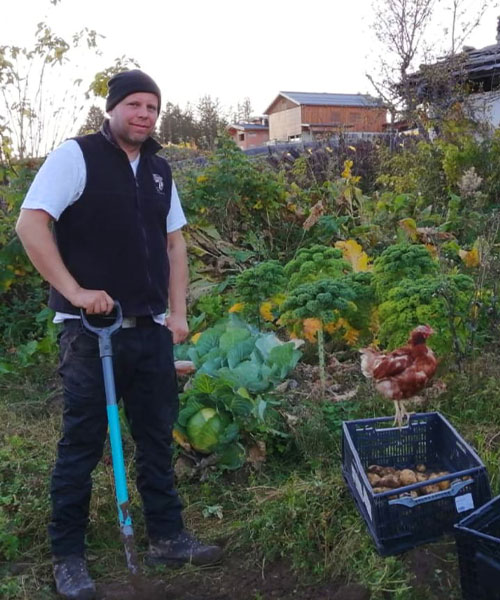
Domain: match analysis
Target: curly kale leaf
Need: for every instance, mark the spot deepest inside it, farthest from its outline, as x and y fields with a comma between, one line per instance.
x=315, y=263
x=323, y=299
x=260, y=282
x=437, y=301
x=399, y=262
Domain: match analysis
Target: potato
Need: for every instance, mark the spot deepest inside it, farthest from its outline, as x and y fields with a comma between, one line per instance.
x=373, y=478
x=431, y=489
x=421, y=468
x=379, y=490
x=421, y=476
x=407, y=477
x=444, y=485
x=389, y=471
x=390, y=481
x=377, y=469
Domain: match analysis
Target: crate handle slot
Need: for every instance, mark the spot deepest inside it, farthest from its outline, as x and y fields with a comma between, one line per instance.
x=453, y=491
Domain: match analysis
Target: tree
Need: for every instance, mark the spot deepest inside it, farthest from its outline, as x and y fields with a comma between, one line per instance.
x=400, y=26
x=93, y=122
x=99, y=85
x=176, y=125
x=210, y=121
x=242, y=113
x=37, y=113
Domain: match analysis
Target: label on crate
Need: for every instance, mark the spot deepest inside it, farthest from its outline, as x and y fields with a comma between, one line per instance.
x=362, y=493
x=464, y=503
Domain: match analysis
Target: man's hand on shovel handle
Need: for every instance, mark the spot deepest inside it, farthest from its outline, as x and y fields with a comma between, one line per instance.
x=94, y=302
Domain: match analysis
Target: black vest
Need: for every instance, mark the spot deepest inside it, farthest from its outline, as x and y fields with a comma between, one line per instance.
x=113, y=237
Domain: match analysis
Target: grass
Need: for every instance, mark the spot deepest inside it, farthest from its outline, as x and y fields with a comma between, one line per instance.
x=296, y=506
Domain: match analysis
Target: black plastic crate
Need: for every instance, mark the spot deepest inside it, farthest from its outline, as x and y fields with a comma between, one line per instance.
x=478, y=547
x=398, y=524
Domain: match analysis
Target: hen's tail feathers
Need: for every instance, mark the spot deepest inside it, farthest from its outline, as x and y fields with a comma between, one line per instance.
x=368, y=356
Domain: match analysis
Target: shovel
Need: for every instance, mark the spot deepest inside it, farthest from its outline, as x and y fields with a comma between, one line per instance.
x=106, y=352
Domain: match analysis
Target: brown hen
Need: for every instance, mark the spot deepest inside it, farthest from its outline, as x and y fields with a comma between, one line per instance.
x=402, y=373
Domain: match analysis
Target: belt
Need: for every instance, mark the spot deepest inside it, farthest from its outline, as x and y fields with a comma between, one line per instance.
x=144, y=321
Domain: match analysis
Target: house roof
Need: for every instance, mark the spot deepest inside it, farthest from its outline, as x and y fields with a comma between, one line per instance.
x=480, y=65
x=248, y=126
x=484, y=61
x=324, y=99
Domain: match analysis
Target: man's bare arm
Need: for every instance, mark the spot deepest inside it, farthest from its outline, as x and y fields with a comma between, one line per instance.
x=177, y=286
x=33, y=229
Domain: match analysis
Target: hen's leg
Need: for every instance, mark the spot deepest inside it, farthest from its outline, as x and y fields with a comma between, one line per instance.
x=397, y=417
x=405, y=415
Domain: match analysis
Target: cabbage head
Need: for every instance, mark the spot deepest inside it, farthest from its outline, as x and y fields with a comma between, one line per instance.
x=204, y=429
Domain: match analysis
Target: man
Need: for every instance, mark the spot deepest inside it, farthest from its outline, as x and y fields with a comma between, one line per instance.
x=111, y=202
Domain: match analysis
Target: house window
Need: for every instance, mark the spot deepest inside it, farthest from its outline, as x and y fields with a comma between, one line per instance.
x=355, y=116
x=241, y=137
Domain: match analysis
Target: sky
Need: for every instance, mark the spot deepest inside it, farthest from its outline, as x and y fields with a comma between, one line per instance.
x=229, y=49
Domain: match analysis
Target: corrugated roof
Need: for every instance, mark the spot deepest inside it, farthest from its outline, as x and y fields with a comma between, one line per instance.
x=247, y=126
x=323, y=99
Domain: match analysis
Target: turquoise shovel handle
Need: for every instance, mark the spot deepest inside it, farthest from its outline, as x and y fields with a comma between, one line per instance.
x=106, y=352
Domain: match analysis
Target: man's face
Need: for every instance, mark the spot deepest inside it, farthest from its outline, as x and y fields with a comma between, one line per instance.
x=133, y=119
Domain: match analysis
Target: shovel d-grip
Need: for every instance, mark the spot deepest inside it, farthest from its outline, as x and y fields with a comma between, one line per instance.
x=106, y=353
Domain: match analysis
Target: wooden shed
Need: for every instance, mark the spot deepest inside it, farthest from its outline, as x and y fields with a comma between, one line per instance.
x=307, y=116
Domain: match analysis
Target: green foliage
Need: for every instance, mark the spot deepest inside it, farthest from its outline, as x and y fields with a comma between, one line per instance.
x=443, y=302
x=99, y=85
x=257, y=284
x=401, y=261
x=236, y=366
x=416, y=170
x=324, y=300
x=241, y=197
x=315, y=263
x=359, y=312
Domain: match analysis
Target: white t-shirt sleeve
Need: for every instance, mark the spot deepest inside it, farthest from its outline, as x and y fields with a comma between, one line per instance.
x=175, y=218
x=59, y=182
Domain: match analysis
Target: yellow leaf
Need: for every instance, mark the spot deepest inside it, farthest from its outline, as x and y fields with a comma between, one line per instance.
x=278, y=299
x=181, y=439
x=201, y=178
x=258, y=205
x=346, y=173
x=333, y=326
x=195, y=337
x=409, y=226
x=432, y=250
x=351, y=336
x=311, y=327
x=236, y=308
x=265, y=311
x=471, y=257
x=355, y=255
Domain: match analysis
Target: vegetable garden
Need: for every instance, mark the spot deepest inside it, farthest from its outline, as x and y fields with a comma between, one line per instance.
x=297, y=260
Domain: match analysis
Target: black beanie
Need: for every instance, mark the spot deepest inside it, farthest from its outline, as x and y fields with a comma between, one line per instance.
x=123, y=84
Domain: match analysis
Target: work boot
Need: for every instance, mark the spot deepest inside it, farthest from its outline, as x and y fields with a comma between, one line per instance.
x=72, y=579
x=180, y=549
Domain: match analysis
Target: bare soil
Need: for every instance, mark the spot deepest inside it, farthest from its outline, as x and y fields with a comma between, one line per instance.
x=234, y=579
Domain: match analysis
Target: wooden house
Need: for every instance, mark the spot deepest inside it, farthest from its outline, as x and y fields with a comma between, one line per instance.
x=308, y=116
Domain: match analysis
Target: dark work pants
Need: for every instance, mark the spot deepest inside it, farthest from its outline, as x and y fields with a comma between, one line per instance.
x=146, y=382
